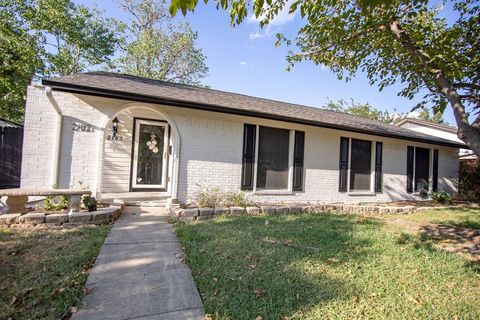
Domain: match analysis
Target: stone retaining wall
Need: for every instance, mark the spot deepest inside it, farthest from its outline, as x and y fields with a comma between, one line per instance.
x=189, y=214
x=101, y=216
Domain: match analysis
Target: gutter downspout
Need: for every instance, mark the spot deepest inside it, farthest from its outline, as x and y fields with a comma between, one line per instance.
x=58, y=136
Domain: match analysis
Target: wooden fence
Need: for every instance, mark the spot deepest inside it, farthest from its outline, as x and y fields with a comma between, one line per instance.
x=469, y=188
x=11, y=140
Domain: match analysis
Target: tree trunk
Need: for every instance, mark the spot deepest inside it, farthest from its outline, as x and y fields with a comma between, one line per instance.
x=467, y=133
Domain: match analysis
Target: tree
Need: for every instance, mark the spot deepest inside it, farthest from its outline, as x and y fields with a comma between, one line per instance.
x=45, y=38
x=364, y=110
x=425, y=114
x=153, y=47
x=393, y=41
x=19, y=61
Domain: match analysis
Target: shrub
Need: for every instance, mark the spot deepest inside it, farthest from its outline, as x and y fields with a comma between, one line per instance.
x=238, y=199
x=441, y=197
x=89, y=202
x=469, y=184
x=55, y=203
x=209, y=198
x=214, y=197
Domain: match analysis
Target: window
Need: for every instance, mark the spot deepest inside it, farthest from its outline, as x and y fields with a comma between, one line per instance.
x=272, y=166
x=356, y=170
x=418, y=169
x=422, y=168
x=360, y=165
x=279, y=158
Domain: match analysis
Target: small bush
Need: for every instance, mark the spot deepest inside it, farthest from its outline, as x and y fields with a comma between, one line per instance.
x=441, y=197
x=209, y=198
x=214, y=197
x=237, y=199
x=55, y=203
x=89, y=202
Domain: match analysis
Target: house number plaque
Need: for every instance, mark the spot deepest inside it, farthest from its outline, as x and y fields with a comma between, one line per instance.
x=77, y=126
x=114, y=138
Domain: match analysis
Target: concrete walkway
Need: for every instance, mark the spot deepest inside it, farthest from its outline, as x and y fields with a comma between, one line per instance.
x=138, y=273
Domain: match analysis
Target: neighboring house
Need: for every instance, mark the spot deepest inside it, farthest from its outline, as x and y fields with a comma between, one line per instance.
x=120, y=134
x=434, y=129
x=11, y=138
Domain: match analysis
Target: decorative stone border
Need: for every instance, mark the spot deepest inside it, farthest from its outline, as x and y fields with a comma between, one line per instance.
x=189, y=214
x=101, y=216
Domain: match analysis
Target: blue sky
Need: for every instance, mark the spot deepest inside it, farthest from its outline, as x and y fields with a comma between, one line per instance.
x=244, y=60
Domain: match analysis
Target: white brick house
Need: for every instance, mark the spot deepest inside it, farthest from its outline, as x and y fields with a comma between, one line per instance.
x=171, y=138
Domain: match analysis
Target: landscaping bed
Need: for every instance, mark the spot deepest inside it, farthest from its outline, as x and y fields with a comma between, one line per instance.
x=44, y=269
x=315, y=266
x=102, y=215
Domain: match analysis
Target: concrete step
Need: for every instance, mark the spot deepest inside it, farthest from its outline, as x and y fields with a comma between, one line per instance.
x=145, y=203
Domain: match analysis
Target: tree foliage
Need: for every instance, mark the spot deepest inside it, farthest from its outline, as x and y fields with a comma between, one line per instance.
x=45, y=38
x=426, y=114
x=392, y=41
x=48, y=38
x=19, y=61
x=153, y=47
x=365, y=110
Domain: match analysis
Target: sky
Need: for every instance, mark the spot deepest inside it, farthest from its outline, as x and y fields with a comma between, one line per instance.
x=245, y=60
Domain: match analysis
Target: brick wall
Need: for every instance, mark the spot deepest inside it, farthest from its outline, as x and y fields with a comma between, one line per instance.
x=210, y=153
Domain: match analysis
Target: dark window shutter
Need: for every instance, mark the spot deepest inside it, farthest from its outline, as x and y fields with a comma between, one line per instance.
x=298, y=151
x=410, y=154
x=248, y=157
x=343, y=168
x=378, y=166
x=435, y=170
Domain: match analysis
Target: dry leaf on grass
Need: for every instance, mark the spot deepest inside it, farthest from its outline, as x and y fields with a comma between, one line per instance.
x=259, y=292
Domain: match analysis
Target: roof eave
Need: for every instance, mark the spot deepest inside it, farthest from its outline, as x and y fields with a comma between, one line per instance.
x=80, y=89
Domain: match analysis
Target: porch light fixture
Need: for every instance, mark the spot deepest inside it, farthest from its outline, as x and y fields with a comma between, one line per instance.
x=115, y=123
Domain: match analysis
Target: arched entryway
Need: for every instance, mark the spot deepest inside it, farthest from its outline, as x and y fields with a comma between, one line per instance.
x=142, y=157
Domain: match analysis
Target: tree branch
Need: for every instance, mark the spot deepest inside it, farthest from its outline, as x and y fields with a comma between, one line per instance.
x=381, y=27
x=462, y=85
x=467, y=133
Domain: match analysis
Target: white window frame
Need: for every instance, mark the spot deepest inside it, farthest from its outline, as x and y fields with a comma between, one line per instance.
x=289, y=189
x=371, y=191
x=430, y=170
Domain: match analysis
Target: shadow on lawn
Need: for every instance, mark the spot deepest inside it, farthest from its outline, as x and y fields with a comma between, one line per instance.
x=463, y=220
x=234, y=268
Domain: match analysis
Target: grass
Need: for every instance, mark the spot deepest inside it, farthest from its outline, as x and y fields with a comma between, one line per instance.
x=459, y=217
x=43, y=270
x=328, y=267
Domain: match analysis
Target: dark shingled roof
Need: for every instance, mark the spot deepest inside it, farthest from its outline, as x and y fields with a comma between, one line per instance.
x=154, y=91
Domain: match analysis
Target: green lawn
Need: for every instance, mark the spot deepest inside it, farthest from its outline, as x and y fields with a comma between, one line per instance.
x=460, y=217
x=327, y=267
x=43, y=270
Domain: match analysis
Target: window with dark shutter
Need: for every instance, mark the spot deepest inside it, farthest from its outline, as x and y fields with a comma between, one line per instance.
x=273, y=152
x=343, y=169
x=248, y=157
x=435, y=170
x=422, y=168
x=410, y=155
x=378, y=166
x=360, y=165
x=298, y=151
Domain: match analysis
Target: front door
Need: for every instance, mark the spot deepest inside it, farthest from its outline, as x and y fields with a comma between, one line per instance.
x=150, y=154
